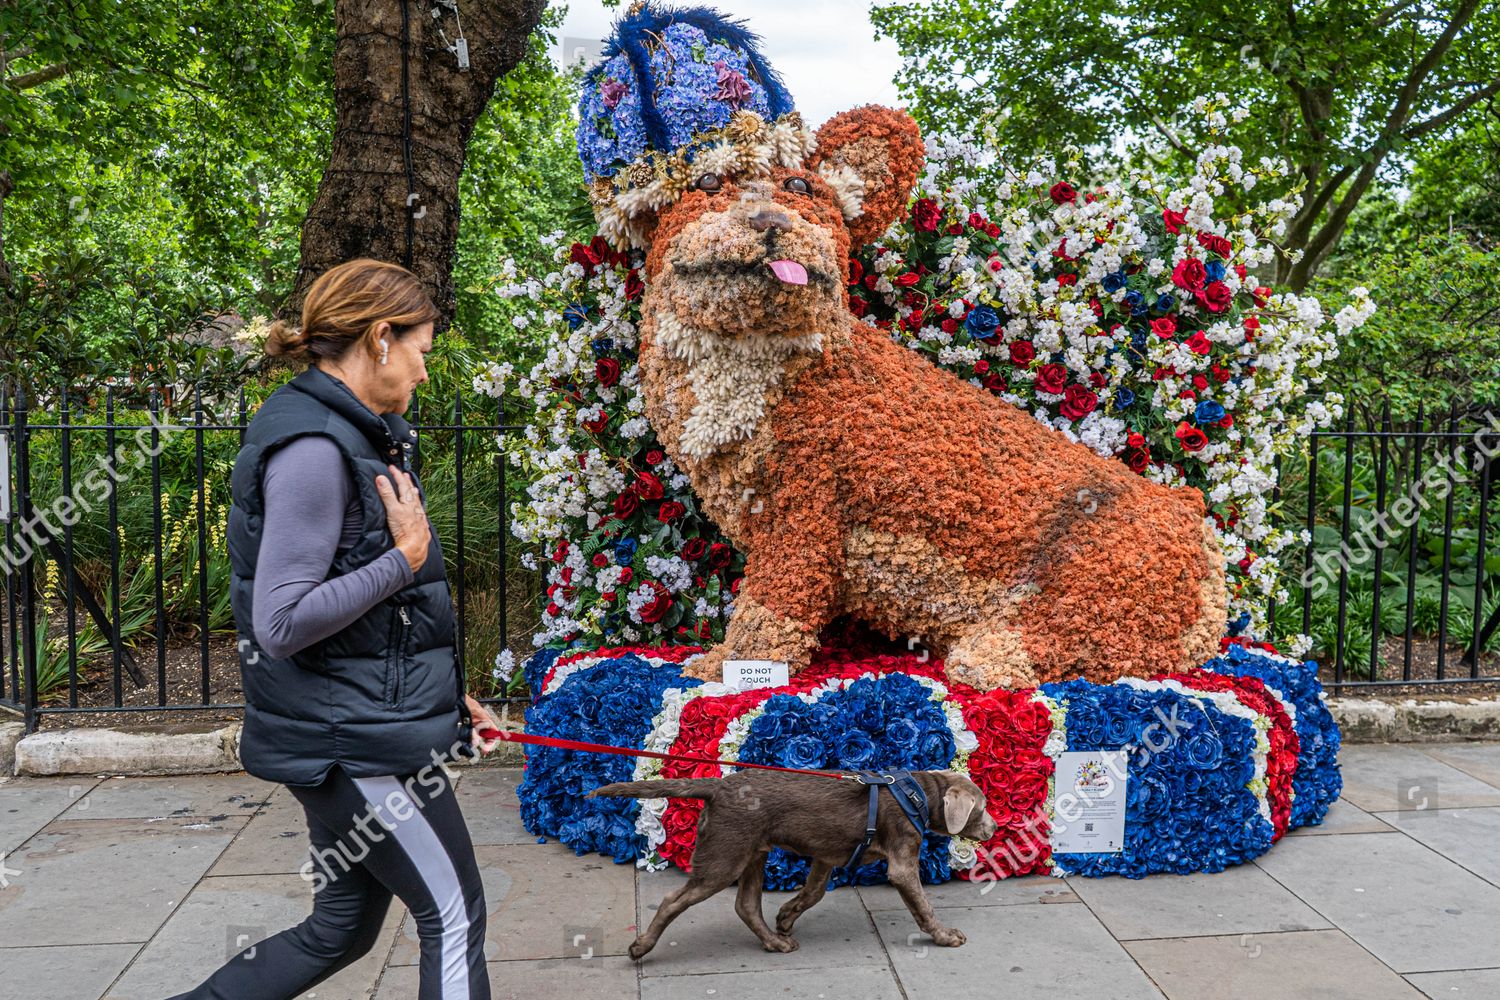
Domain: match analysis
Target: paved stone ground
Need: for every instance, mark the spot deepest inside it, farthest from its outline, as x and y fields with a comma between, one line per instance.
x=136, y=888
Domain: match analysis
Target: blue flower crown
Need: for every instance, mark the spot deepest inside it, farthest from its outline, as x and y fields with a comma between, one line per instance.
x=681, y=92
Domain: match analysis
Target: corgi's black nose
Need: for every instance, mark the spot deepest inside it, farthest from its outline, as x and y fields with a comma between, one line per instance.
x=768, y=218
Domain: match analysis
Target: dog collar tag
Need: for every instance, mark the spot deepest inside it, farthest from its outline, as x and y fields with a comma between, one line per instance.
x=745, y=674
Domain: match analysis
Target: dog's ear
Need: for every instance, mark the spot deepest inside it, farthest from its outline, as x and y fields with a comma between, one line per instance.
x=959, y=803
x=871, y=156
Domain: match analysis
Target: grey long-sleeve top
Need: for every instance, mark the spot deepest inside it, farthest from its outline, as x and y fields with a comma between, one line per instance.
x=311, y=509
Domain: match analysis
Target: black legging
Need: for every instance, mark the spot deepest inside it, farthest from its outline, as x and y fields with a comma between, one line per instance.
x=373, y=837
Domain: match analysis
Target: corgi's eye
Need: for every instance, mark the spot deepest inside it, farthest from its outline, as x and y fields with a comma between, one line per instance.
x=709, y=182
x=797, y=185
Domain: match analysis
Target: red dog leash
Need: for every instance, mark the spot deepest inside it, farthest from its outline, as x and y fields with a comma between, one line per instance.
x=488, y=733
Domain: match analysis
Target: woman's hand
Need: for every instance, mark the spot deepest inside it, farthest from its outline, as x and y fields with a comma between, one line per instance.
x=404, y=515
x=482, y=719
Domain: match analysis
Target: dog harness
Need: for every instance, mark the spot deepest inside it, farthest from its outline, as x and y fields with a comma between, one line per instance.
x=908, y=795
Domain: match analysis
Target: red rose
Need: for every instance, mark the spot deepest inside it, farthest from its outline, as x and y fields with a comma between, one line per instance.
x=925, y=215
x=607, y=371
x=1135, y=440
x=1022, y=352
x=626, y=575
x=1165, y=327
x=670, y=510
x=1227, y=422
x=1078, y=402
x=1198, y=344
x=1189, y=273
x=648, y=487
x=600, y=559
x=1241, y=270
x=1065, y=280
x=734, y=588
x=949, y=325
x=1200, y=381
x=654, y=457
x=1052, y=378
x=553, y=610
x=1192, y=438
x=656, y=609
x=561, y=552
x=596, y=426
x=857, y=305
x=1215, y=244
x=1138, y=459
x=1097, y=380
x=1062, y=192
x=694, y=549
x=607, y=597
x=585, y=255
x=626, y=504
x=995, y=383
x=1173, y=221
x=719, y=555
x=992, y=230
x=1215, y=297
x=1261, y=295
x=976, y=220
x=907, y=280
x=634, y=286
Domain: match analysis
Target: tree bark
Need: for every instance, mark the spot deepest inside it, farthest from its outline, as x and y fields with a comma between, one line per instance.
x=5, y=186
x=390, y=190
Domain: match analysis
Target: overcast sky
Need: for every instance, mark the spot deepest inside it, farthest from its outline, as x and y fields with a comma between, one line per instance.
x=825, y=50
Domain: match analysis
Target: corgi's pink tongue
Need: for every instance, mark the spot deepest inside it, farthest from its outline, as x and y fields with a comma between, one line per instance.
x=789, y=271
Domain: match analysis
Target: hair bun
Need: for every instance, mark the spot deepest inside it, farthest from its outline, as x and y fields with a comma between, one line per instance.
x=285, y=340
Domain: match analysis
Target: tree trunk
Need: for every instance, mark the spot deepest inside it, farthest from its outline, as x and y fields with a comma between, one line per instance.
x=390, y=190
x=5, y=186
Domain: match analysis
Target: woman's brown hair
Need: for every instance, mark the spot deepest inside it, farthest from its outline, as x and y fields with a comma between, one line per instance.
x=345, y=303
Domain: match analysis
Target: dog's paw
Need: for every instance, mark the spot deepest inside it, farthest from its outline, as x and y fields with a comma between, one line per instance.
x=782, y=944
x=784, y=924
x=947, y=937
x=637, y=949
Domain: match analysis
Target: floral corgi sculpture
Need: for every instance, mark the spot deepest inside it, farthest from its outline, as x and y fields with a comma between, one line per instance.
x=858, y=478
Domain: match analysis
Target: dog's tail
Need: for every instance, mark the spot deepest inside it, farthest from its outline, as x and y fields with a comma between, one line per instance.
x=676, y=788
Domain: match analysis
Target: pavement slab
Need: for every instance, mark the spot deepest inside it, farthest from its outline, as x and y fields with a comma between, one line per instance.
x=28, y=804
x=1386, y=778
x=104, y=881
x=1307, y=965
x=1409, y=906
x=1242, y=900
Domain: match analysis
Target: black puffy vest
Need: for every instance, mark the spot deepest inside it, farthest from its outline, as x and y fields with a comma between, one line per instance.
x=385, y=693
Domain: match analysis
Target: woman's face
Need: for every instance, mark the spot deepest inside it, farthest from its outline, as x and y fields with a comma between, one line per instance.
x=398, y=378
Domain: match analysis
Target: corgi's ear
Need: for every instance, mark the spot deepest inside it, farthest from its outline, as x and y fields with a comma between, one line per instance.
x=871, y=156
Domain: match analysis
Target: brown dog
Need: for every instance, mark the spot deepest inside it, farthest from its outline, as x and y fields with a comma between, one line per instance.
x=750, y=812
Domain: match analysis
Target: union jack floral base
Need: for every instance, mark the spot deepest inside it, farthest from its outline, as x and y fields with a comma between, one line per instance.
x=1223, y=760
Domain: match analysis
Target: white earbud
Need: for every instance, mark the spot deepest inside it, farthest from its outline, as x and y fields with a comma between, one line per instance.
x=385, y=351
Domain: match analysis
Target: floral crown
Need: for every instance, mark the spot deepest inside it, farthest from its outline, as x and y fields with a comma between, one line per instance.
x=681, y=92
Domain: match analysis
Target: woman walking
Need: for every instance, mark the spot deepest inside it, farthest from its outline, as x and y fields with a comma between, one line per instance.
x=353, y=696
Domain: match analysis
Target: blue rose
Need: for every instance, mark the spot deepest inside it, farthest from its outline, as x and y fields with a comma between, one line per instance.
x=576, y=313
x=1215, y=270
x=602, y=346
x=1203, y=751
x=1123, y=398
x=1166, y=302
x=856, y=750
x=804, y=751
x=1136, y=300
x=982, y=322
x=1208, y=412
x=625, y=551
x=1113, y=282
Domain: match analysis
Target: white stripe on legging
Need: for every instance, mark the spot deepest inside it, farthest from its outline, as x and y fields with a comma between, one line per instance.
x=421, y=843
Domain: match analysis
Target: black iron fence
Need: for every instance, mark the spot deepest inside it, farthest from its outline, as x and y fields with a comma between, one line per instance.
x=115, y=575
x=1399, y=582
x=114, y=567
